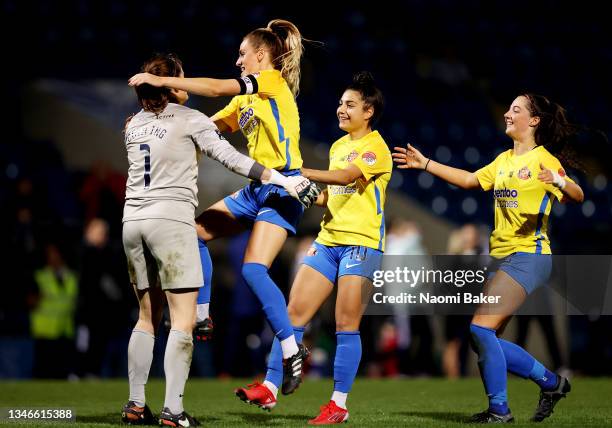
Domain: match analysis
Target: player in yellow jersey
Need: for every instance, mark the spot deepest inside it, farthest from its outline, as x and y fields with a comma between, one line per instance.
x=348, y=248
x=264, y=109
x=524, y=181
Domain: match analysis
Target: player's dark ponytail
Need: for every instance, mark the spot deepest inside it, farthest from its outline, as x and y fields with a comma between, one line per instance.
x=155, y=99
x=363, y=82
x=557, y=133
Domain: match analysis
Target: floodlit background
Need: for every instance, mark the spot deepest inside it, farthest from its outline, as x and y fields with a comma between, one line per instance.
x=448, y=70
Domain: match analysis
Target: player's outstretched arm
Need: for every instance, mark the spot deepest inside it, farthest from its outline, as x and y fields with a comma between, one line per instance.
x=411, y=158
x=571, y=191
x=341, y=177
x=195, y=85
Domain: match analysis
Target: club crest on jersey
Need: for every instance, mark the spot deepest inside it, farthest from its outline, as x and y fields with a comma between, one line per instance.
x=561, y=172
x=312, y=251
x=524, y=173
x=369, y=158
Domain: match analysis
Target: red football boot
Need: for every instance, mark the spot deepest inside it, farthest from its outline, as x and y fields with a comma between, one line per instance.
x=257, y=394
x=330, y=414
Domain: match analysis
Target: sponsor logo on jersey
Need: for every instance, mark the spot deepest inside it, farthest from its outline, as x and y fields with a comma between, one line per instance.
x=505, y=193
x=561, y=172
x=369, y=158
x=524, y=173
x=342, y=190
x=505, y=198
x=312, y=251
x=244, y=120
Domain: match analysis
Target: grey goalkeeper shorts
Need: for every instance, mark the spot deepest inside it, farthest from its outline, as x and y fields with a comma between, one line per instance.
x=162, y=253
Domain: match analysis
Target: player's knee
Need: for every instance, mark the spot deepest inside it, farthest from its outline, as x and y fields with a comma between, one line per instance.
x=184, y=324
x=296, y=313
x=347, y=323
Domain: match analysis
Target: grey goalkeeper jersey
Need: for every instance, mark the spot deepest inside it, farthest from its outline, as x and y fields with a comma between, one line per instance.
x=163, y=152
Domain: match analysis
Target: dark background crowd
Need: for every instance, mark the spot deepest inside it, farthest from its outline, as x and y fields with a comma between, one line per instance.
x=448, y=71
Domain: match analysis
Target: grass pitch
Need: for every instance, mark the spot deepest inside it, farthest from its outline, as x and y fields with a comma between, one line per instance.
x=389, y=403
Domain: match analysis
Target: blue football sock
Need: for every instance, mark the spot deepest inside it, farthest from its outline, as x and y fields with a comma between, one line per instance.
x=207, y=270
x=492, y=364
x=271, y=298
x=275, y=359
x=522, y=363
x=346, y=363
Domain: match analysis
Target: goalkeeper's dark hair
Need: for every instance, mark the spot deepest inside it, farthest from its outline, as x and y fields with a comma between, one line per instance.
x=154, y=99
x=363, y=82
x=557, y=134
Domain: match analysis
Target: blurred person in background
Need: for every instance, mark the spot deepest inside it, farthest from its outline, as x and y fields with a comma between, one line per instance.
x=523, y=179
x=102, y=194
x=52, y=321
x=415, y=336
x=101, y=339
x=463, y=241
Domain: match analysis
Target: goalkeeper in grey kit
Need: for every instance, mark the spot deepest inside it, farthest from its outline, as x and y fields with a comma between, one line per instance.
x=164, y=142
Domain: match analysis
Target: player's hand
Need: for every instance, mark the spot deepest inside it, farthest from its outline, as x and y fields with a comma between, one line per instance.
x=148, y=78
x=409, y=157
x=302, y=189
x=550, y=177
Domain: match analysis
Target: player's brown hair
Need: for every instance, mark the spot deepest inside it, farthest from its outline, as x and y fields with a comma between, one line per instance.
x=284, y=41
x=556, y=132
x=154, y=99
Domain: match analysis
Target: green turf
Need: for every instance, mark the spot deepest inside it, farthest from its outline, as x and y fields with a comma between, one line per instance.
x=414, y=402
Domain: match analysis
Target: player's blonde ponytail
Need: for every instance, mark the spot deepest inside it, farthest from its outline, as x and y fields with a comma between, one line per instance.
x=288, y=62
x=284, y=42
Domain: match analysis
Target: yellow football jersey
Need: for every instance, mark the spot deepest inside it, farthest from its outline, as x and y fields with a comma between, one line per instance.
x=522, y=202
x=270, y=121
x=355, y=213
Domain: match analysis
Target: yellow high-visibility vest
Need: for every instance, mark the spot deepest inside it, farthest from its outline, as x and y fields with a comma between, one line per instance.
x=54, y=316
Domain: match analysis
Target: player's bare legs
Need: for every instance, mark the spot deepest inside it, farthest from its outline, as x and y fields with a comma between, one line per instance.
x=217, y=221
x=151, y=305
x=309, y=290
x=511, y=296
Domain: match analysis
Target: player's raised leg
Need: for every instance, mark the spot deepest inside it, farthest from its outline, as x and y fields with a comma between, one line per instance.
x=264, y=245
x=309, y=290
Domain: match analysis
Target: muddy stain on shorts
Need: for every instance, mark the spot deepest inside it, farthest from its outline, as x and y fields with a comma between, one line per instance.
x=171, y=268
